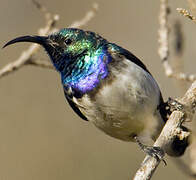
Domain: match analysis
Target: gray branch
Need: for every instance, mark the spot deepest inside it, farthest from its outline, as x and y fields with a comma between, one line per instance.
x=26, y=57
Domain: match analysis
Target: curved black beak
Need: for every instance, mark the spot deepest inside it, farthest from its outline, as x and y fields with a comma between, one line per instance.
x=42, y=40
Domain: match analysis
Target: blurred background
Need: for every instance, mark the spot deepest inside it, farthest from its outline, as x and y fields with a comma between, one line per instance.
x=41, y=138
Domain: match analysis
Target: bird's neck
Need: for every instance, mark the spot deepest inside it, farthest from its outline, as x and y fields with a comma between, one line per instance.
x=84, y=73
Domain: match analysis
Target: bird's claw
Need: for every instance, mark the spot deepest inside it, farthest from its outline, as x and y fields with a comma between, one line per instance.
x=156, y=152
x=175, y=105
x=153, y=151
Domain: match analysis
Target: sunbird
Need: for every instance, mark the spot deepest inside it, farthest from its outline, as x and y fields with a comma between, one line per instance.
x=108, y=86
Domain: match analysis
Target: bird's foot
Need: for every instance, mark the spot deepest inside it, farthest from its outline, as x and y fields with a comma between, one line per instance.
x=175, y=105
x=153, y=151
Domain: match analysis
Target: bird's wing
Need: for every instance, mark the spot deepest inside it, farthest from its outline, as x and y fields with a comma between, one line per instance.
x=162, y=107
x=74, y=106
x=128, y=55
x=115, y=49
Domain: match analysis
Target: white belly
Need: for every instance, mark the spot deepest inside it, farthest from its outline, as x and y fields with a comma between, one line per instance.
x=127, y=106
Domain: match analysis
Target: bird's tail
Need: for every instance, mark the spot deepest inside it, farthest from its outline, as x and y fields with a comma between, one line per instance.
x=178, y=146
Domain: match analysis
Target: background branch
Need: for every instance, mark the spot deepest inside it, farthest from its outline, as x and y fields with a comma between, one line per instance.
x=172, y=127
x=26, y=57
x=163, y=50
x=178, y=46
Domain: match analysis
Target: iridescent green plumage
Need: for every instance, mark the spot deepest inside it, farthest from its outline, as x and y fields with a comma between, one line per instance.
x=84, y=62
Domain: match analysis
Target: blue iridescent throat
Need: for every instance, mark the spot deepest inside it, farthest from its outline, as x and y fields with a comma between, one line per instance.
x=86, y=72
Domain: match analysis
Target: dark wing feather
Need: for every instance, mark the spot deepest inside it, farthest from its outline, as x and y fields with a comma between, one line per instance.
x=74, y=107
x=114, y=48
x=134, y=59
x=164, y=111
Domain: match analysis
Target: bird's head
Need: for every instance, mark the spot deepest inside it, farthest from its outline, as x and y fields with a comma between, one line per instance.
x=80, y=56
x=66, y=46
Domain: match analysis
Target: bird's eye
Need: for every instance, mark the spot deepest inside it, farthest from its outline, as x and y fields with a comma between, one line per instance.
x=68, y=41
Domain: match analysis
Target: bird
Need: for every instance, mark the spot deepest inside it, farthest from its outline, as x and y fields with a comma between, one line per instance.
x=109, y=86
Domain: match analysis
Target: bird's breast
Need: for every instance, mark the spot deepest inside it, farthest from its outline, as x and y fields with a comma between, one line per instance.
x=127, y=105
x=88, y=72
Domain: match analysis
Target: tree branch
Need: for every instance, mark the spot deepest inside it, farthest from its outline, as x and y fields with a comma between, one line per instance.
x=163, y=40
x=173, y=126
x=170, y=130
x=187, y=14
x=26, y=57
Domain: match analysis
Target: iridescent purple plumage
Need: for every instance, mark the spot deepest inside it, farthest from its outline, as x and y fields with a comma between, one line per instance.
x=81, y=57
x=87, y=78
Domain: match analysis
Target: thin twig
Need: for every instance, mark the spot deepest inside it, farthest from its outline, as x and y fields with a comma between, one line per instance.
x=43, y=9
x=88, y=17
x=163, y=40
x=178, y=49
x=41, y=63
x=178, y=38
x=163, y=31
x=26, y=55
x=51, y=20
x=20, y=62
x=187, y=14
